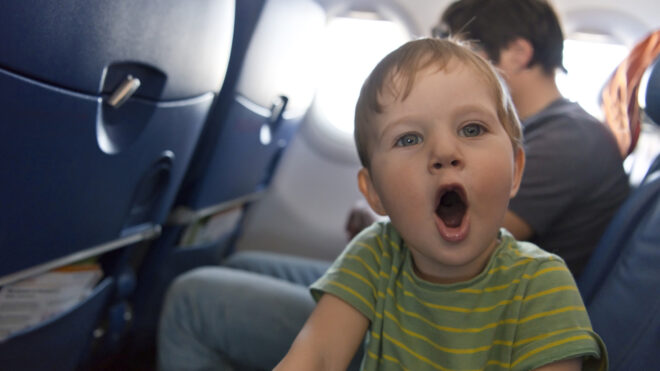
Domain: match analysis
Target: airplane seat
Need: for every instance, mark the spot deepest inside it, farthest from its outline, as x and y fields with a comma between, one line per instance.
x=620, y=283
x=653, y=170
x=248, y=130
x=61, y=342
x=652, y=107
x=256, y=121
x=103, y=104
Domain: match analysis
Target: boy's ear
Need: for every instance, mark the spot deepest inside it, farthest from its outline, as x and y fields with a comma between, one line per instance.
x=367, y=188
x=517, y=54
x=518, y=169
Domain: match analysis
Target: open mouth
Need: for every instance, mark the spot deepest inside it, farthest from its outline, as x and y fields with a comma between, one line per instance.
x=452, y=206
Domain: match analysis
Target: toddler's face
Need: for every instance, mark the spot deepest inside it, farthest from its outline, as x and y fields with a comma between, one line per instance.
x=443, y=169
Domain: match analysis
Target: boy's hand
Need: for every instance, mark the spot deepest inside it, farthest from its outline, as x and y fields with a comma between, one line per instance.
x=573, y=364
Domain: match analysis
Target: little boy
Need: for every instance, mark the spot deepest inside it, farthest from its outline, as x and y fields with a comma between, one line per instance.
x=442, y=286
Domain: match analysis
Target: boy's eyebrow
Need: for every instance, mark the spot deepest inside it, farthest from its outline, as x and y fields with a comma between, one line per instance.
x=387, y=126
x=479, y=108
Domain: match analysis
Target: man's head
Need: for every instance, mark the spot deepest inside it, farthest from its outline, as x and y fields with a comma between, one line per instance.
x=494, y=24
x=396, y=75
x=440, y=142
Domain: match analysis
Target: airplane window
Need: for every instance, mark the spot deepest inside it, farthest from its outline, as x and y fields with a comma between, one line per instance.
x=352, y=47
x=590, y=60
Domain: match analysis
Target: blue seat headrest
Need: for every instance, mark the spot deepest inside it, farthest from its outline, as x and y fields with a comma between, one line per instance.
x=651, y=102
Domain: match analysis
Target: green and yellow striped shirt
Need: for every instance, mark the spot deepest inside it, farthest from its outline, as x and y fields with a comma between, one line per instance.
x=522, y=312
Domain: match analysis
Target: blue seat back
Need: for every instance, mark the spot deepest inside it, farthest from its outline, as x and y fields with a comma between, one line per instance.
x=651, y=103
x=79, y=173
x=652, y=106
x=71, y=44
x=254, y=124
x=83, y=175
x=60, y=343
x=160, y=265
x=268, y=89
x=621, y=283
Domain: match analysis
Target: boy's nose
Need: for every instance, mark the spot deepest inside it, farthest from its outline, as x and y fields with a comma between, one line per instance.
x=449, y=163
x=445, y=155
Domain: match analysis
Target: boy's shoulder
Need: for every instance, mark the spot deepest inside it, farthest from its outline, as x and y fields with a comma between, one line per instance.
x=519, y=257
x=379, y=239
x=382, y=235
x=381, y=228
x=520, y=250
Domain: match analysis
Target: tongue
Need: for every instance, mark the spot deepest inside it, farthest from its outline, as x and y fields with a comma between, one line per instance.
x=451, y=210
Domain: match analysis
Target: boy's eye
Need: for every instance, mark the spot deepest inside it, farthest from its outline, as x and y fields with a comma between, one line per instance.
x=472, y=130
x=408, y=140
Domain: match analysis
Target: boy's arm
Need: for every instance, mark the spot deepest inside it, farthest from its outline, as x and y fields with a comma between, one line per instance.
x=573, y=364
x=329, y=339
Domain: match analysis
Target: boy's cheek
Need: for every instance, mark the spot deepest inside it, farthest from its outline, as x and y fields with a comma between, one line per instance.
x=518, y=171
x=366, y=186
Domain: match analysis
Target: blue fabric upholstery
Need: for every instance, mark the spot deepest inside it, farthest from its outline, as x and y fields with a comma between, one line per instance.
x=651, y=102
x=79, y=173
x=252, y=124
x=164, y=260
x=248, y=129
x=621, y=283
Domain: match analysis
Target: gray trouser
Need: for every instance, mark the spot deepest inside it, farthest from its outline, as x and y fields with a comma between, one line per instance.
x=241, y=316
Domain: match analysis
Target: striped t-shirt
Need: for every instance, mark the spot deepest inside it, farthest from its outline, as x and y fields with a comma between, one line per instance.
x=523, y=311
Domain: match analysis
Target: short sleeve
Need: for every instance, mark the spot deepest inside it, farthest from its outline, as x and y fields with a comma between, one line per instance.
x=354, y=276
x=553, y=323
x=553, y=175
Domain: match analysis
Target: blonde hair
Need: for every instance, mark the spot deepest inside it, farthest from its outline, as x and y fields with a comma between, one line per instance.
x=397, y=73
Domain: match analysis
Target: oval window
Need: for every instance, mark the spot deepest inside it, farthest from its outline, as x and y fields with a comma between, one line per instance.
x=590, y=60
x=352, y=46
